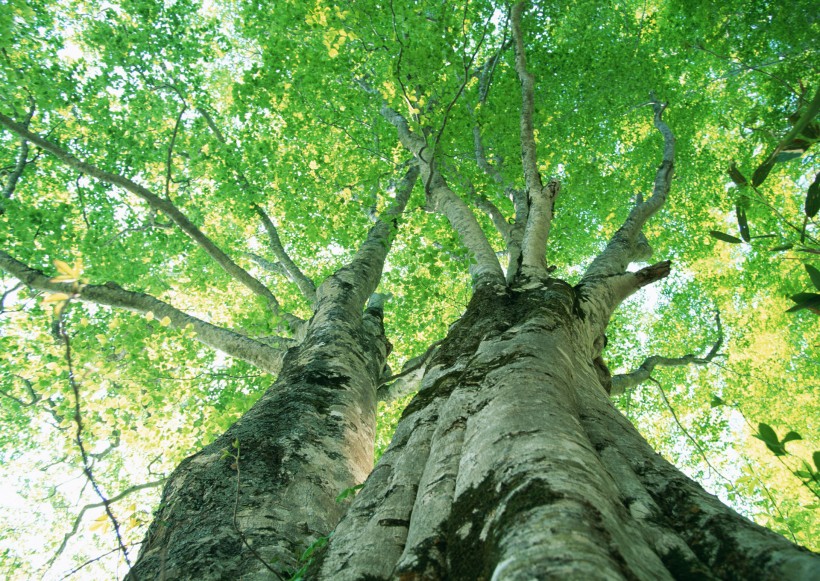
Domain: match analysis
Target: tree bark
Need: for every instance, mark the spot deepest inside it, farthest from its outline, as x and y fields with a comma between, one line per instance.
x=306, y=440
x=512, y=463
x=248, y=504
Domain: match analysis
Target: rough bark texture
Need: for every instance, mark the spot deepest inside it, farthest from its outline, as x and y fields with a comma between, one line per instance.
x=511, y=463
x=250, y=503
x=305, y=441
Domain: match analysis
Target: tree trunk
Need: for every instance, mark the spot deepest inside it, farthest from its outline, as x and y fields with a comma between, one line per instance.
x=512, y=463
x=253, y=510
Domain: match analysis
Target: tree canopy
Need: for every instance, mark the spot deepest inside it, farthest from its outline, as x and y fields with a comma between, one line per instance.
x=179, y=177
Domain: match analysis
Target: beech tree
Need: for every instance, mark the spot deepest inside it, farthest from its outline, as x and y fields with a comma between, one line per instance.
x=250, y=249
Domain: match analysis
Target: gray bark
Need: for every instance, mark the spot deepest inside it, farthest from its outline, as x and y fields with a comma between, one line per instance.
x=512, y=463
x=248, y=504
x=305, y=441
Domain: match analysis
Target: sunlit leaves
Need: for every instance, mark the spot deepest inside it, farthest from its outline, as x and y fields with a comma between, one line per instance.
x=284, y=85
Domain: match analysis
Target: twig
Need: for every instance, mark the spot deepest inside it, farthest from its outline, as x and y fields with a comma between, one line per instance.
x=171, y=154
x=78, y=420
x=94, y=560
x=686, y=432
x=235, y=457
x=128, y=491
x=771, y=499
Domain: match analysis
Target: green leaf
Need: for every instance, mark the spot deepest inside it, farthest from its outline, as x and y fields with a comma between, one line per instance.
x=349, y=492
x=816, y=458
x=716, y=401
x=803, y=474
x=791, y=436
x=813, y=197
x=805, y=301
x=782, y=247
x=762, y=172
x=814, y=274
x=736, y=176
x=315, y=545
x=778, y=449
x=742, y=223
x=766, y=433
x=725, y=237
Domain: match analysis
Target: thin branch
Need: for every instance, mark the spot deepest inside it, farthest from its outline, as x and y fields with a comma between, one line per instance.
x=623, y=382
x=78, y=420
x=305, y=285
x=629, y=244
x=540, y=199
x=442, y=199
x=744, y=66
x=78, y=519
x=156, y=202
x=499, y=221
x=686, y=432
x=169, y=160
x=234, y=344
x=771, y=498
x=273, y=267
x=22, y=161
x=467, y=65
x=35, y=398
x=94, y=560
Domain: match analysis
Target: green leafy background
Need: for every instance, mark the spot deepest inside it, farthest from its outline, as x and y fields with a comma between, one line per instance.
x=287, y=84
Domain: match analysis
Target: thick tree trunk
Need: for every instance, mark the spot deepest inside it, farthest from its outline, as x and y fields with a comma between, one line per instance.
x=511, y=463
x=305, y=441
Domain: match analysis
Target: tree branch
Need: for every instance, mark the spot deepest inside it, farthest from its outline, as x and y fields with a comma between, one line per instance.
x=162, y=205
x=364, y=271
x=623, y=382
x=234, y=344
x=408, y=380
x=499, y=221
x=169, y=160
x=305, y=285
x=442, y=199
x=273, y=267
x=541, y=200
x=78, y=437
x=87, y=507
x=629, y=244
x=22, y=161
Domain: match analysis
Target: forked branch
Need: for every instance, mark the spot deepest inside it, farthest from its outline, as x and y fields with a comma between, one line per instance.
x=540, y=198
x=156, y=202
x=623, y=382
x=628, y=244
x=442, y=199
x=305, y=285
x=363, y=273
x=20, y=165
x=259, y=354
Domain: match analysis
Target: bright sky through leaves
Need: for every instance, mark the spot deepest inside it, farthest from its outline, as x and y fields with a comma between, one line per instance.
x=216, y=107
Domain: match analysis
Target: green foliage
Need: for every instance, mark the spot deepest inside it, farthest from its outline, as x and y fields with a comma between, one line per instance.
x=134, y=86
